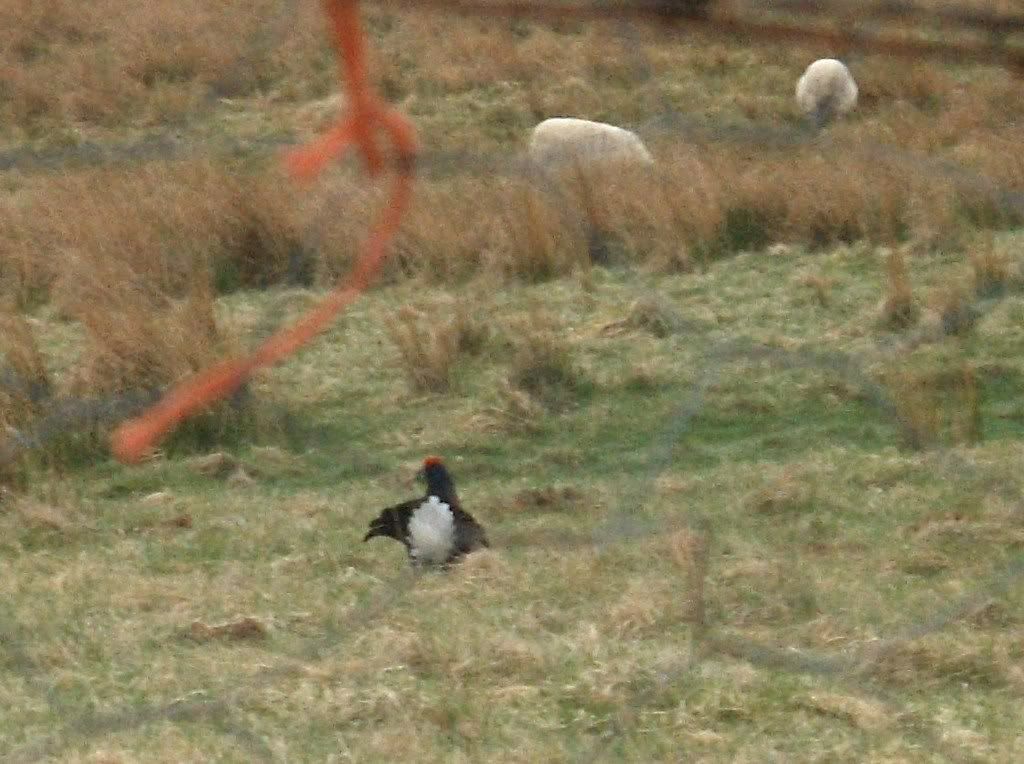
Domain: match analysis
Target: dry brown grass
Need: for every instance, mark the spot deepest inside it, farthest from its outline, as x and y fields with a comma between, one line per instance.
x=253, y=230
x=541, y=242
x=431, y=341
x=918, y=409
x=141, y=324
x=968, y=423
x=820, y=285
x=24, y=379
x=938, y=403
x=150, y=62
x=953, y=303
x=992, y=266
x=160, y=61
x=898, y=309
x=785, y=493
x=131, y=260
x=165, y=222
x=690, y=550
x=542, y=364
x=518, y=412
x=136, y=337
x=652, y=313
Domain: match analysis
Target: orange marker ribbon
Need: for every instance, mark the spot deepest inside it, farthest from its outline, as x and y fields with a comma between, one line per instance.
x=367, y=114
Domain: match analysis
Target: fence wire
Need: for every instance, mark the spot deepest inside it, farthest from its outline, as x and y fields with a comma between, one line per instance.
x=928, y=32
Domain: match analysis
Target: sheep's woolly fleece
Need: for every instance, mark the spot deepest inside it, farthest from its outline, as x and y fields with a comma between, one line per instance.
x=826, y=90
x=566, y=139
x=432, y=532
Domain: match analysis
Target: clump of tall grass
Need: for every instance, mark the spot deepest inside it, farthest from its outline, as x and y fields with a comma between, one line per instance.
x=992, y=267
x=164, y=221
x=938, y=402
x=898, y=310
x=139, y=341
x=542, y=364
x=953, y=303
x=544, y=240
x=430, y=342
x=25, y=382
x=254, y=230
x=136, y=336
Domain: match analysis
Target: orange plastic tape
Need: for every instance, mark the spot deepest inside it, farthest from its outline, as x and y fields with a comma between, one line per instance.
x=367, y=115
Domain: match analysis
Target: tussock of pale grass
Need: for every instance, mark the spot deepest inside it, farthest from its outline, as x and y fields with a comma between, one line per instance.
x=426, y=350
x=941, y=659
x=898, y=309
x=953, y=304
x=517, y=412
x=937, y=403
x=689, y=550
x=868, y=714
x=917, y=409
x=968, y=423
x=633, y=213
x=431, y=341
x=454, y=229
x=137, y=337
x=544, y=238
x=820, y=285
x=992, y=267
x=43, y=516
x=543, y=364
x=642, y=609
x=784, y=493
x=654, y=314
x=263, y=237
x=25, y=382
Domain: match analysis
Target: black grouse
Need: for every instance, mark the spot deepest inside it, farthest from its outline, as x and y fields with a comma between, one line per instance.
x=434, y=529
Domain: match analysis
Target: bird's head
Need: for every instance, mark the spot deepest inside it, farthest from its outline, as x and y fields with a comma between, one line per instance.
x=439, y=480
x=824, y=112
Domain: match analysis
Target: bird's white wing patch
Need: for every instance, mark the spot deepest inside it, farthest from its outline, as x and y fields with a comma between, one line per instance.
x=432, y=531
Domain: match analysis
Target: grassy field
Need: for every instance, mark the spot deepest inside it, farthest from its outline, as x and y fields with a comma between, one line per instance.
x=753, y=490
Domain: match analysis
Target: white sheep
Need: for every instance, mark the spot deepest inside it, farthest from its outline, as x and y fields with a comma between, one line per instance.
x=565, y=139
x=826, y=90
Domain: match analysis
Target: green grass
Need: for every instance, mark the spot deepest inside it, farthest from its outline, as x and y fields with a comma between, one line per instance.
x=561, y=643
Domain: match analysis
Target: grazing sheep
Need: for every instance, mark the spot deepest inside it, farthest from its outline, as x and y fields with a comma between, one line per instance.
x=565, y=139
x=826, y=90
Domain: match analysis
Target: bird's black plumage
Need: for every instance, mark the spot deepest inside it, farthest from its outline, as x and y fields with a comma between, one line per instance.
x=393, y=522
